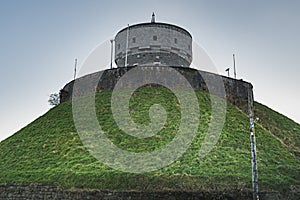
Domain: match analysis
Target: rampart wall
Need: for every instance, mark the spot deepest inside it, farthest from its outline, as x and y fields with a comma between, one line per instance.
x=236, y=91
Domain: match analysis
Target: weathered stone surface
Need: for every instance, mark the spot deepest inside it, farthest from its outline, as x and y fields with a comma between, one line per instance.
x=41, y=191
x=169, y=40
x=236, y=91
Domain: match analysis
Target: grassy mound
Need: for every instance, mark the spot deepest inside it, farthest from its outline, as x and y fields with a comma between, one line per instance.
x=49, y=149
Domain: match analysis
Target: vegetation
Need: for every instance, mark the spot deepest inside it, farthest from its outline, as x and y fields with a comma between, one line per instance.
x=53, y=99
x=50, y=150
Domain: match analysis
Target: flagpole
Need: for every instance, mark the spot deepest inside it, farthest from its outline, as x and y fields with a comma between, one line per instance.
x=234, y=66
x=111, y=53
x=126, y=56
x=75, y=68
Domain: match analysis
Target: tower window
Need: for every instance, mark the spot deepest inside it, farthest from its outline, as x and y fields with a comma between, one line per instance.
x=175, y=40
x=119, y=46
x=189, y=47
x=155, y=37
x=133, y=40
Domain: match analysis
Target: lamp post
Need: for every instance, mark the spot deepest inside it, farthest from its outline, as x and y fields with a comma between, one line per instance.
x=227, y=70
x=253, y=147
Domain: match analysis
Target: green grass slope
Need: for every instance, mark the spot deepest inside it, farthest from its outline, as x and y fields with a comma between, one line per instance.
x=50, y=151
x=281, y=127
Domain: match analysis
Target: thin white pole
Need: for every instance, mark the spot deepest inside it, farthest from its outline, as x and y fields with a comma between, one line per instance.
x=75, y=68
x=253, y=147
x=236, y=86
x=111, y=53
x=234, y=66
x=126, y=61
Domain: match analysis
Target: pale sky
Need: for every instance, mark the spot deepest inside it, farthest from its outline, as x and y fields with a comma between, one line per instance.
x=40, y=39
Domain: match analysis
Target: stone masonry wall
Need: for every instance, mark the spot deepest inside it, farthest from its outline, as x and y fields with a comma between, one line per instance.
x=157, y=57
x=236, y=90
x=169, y=38
x=42, y=191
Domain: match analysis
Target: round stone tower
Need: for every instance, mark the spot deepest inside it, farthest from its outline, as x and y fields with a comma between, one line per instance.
x=149, y=44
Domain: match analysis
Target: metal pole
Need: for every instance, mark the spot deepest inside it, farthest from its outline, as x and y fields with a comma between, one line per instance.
x=227, y=70
x=253, y=147
x=126, y=61
x=111, y=53
x=75, y=68
x=236, y=86
x=234, y=66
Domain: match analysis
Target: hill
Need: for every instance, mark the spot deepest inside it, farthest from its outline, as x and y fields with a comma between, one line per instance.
x=49, y=150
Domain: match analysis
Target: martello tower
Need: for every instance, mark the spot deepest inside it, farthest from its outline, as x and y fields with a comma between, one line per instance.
x=153, y=43
x=153, y=46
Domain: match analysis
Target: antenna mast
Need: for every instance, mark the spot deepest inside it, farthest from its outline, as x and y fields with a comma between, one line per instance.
x=75, y=68
x=126, y=56
x=111, y=53
x=234, y=67
x=253, y=146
